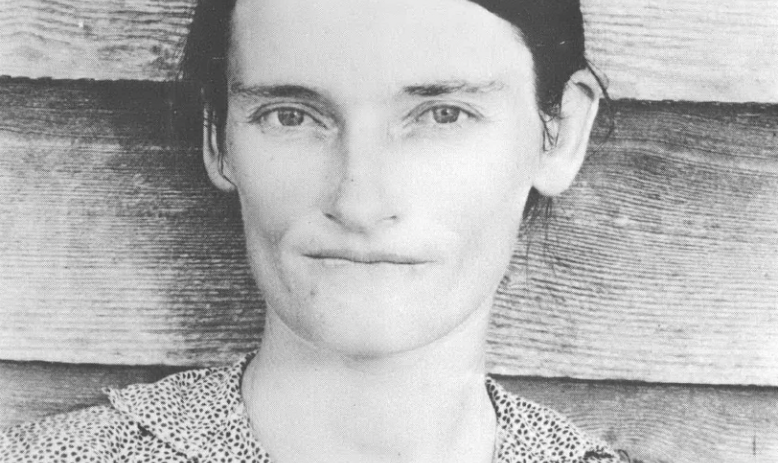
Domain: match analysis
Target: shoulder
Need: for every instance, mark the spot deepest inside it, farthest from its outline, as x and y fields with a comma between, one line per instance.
x=91, y=434
x=530, y=433
x=102, y=433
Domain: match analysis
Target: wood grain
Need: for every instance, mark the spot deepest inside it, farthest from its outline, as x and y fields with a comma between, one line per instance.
x=686, y=50
x=661, y=264
x=650, y=49
x=652, y=423
x=100, y=39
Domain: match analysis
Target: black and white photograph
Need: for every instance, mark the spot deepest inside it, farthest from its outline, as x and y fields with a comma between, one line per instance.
x=389, y=231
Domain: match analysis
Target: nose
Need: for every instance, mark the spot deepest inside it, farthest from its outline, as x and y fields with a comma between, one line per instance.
x=362, y=200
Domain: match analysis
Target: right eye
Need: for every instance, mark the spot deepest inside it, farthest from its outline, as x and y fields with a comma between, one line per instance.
x=290, y=117
x=285, y=118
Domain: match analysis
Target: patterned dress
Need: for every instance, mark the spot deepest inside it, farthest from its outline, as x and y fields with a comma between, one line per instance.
x=198, y=416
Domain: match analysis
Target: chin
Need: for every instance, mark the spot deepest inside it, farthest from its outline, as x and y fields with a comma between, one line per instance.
x=372, y=323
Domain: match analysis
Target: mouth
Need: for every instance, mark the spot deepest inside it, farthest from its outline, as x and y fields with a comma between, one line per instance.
x=364, y=258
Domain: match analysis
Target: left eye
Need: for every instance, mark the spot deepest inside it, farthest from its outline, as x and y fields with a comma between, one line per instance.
x=443, y=115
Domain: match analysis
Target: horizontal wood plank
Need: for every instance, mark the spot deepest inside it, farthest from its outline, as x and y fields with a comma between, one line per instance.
x=652, y=423
x=99, y=39
x=656, y=50
x=691, y=50
x=661, y=264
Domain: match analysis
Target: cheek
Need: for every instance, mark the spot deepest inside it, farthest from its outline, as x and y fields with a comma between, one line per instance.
x=278, y=187
x=482, y=198
x=476, y=197
x=276, y=183
x=482, y=186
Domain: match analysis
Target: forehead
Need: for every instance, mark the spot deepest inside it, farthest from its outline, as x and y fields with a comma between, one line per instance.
x=373, y=45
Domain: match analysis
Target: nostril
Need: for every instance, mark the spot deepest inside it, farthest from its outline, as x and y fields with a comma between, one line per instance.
x=361, y=214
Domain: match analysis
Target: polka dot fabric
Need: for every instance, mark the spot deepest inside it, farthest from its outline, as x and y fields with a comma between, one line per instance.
x=198, y=416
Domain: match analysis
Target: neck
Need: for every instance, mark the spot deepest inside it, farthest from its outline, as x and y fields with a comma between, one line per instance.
x=425, y=405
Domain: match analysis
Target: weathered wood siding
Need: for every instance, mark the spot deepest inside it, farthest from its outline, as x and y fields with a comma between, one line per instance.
x=661, y=264
x=650, y=49
x=652, y=423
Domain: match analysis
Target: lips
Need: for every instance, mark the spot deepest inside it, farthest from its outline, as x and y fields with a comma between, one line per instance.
x=365, y=257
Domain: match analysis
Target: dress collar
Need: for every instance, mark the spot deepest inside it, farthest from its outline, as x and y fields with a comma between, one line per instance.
x=192, y=411
x=201, y=414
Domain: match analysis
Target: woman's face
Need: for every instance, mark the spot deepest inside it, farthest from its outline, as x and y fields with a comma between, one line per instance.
x=382, y=151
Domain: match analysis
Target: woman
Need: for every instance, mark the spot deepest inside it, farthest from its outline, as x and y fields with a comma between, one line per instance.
x=384, y=154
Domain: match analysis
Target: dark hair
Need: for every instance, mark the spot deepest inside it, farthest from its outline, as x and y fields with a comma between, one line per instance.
x=553, y=30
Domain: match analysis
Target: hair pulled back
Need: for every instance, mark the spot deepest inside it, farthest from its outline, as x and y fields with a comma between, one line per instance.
x=553, y=30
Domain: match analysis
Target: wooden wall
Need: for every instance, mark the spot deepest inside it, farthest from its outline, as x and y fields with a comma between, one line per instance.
x=651, y=49
x=656, y=288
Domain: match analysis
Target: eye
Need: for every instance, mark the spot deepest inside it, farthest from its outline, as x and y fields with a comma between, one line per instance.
x=446, y=114
x=284, y=118
x=290, y=117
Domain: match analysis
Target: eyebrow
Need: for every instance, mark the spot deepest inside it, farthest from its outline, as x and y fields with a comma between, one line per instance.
x=450, y=87
x=275, y=91
x=432, y=89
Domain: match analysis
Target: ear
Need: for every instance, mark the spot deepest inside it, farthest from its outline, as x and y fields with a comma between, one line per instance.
x=213, y=157
x=560, y=163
